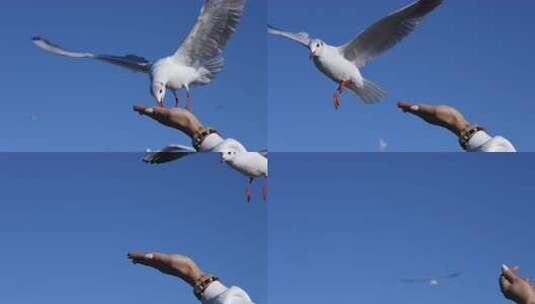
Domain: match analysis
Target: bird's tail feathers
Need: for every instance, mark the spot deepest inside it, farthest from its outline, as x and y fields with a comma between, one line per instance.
x=209, y=69
x=369, y=92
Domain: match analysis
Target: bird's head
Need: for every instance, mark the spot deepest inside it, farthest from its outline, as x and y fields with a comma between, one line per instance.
x=228, y=155
x=316, y=48
x=157, y=91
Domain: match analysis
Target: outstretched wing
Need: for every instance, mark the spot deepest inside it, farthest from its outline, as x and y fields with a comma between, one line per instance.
x=131, y=62
x=427, y=280
x=452, y=275
x=301, y=38
x=168, y=154
x=407, y=280
x=214, y=27
x=387, y=32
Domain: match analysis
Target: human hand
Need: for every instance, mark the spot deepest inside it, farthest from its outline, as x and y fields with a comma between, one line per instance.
x=515, y=288
x=442, y=115
x=176, y=118
x=171, y=264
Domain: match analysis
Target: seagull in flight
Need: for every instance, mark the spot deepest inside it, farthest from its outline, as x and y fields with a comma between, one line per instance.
x=251, y=164
x=433, y=281
x=342, y=64
x=196, y=62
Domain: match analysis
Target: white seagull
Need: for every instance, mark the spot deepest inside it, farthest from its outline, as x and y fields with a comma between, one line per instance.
x=251, y=164
x=434, y=281
x=342, y=64
x=196, y=62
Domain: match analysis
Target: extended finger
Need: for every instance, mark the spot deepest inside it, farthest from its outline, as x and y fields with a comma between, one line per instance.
x=505, y=286
x=417, y=109
x=504, y=283
x=405, y=106
x=154, y=112
x=509, y=275
x=146, y=257
x=158, y=258
x=137, y=257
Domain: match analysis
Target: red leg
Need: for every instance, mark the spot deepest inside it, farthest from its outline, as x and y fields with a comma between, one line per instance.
x=189, y=98
x=177, y=100
x=336, y=100
x=265, y=188
x=248, y=190
x=339, y=90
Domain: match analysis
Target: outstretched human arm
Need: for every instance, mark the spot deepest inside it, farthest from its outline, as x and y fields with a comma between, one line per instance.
x=472, y=138
x=203, y=138
x=207, y=288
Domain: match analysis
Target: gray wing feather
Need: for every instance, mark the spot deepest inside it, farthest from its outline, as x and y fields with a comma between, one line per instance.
x=168, y=154
x=415, y=280
x=386, y=33
x=301, y=38
x=131, y=62
x=453, y=275
x=215, y=25
x=426, y=280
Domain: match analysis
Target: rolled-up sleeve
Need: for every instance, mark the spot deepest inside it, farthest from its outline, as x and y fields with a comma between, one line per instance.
x=210, y=142
x=483, y=142
x=217, y=293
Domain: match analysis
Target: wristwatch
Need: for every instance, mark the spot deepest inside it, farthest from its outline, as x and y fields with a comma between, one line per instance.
x=199, y=137
x=202, y=284
x=467, y=134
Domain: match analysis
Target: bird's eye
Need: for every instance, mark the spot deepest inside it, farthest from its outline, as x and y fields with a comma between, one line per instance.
x=229, y=153
x=161, y=91
x=318, y=45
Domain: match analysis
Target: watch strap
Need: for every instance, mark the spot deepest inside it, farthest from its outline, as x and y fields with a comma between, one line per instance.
x=199, y=137
x=467, y=134
x=203, y=283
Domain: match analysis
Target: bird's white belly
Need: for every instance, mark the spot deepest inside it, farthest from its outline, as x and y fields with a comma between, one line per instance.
x=176, y=75
x=253, y=165
x=338, y=69
x=182, y=76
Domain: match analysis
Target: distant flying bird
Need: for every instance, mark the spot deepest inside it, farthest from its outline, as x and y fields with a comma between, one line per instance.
x=433, y=281
x=342, y=64
x=196, y=62
x=382, y=145
x=251, y=164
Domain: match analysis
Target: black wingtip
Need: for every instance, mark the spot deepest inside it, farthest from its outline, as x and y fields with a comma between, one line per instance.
x=272, y=28
x=36, y=38
x=433, y=3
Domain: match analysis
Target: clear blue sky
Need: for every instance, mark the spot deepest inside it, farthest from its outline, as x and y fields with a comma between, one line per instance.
x=68, y=220
x=344, y=228
x=86, y=106
x=471, y=54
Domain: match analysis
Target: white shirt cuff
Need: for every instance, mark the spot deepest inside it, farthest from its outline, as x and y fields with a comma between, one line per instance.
x=210, y=142
x=213, y=290
x=478, y=140
x=483, y=142
x=217, y=293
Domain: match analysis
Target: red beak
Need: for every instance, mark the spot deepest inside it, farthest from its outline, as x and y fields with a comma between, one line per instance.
x=312, y=55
